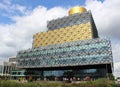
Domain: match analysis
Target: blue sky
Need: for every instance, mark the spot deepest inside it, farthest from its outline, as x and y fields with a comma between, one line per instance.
x=31, y=4
x=21, y=19
x=49, y=3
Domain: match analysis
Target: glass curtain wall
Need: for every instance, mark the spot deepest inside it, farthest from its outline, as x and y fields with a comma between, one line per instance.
x=79, y=74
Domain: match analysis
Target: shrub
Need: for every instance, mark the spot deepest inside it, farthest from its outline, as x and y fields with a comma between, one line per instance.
x=8, y=83
x=98, y=83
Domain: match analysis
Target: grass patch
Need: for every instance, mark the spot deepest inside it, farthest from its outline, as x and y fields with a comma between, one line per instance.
x=98, y=83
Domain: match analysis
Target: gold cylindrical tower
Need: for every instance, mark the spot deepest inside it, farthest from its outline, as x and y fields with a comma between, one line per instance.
x=77, y=9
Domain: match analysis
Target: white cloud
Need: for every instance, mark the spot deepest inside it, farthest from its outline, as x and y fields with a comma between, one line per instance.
x=8, y=9
x=19, y=35
x=19, y=8
x=107, y=18
x=116, y=49
x=116, y=55
x=117, y=69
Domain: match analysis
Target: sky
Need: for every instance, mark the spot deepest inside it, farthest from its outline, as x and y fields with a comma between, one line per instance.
x=20, y=19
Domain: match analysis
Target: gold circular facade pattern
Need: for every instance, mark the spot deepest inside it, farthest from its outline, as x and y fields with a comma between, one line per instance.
x=77, y=9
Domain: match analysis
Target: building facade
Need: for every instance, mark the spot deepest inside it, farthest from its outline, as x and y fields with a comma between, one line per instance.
x=71, y=48
x=6, y=68
x=1, y=68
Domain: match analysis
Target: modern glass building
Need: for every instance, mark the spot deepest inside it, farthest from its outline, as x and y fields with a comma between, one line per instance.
x=71, y=48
